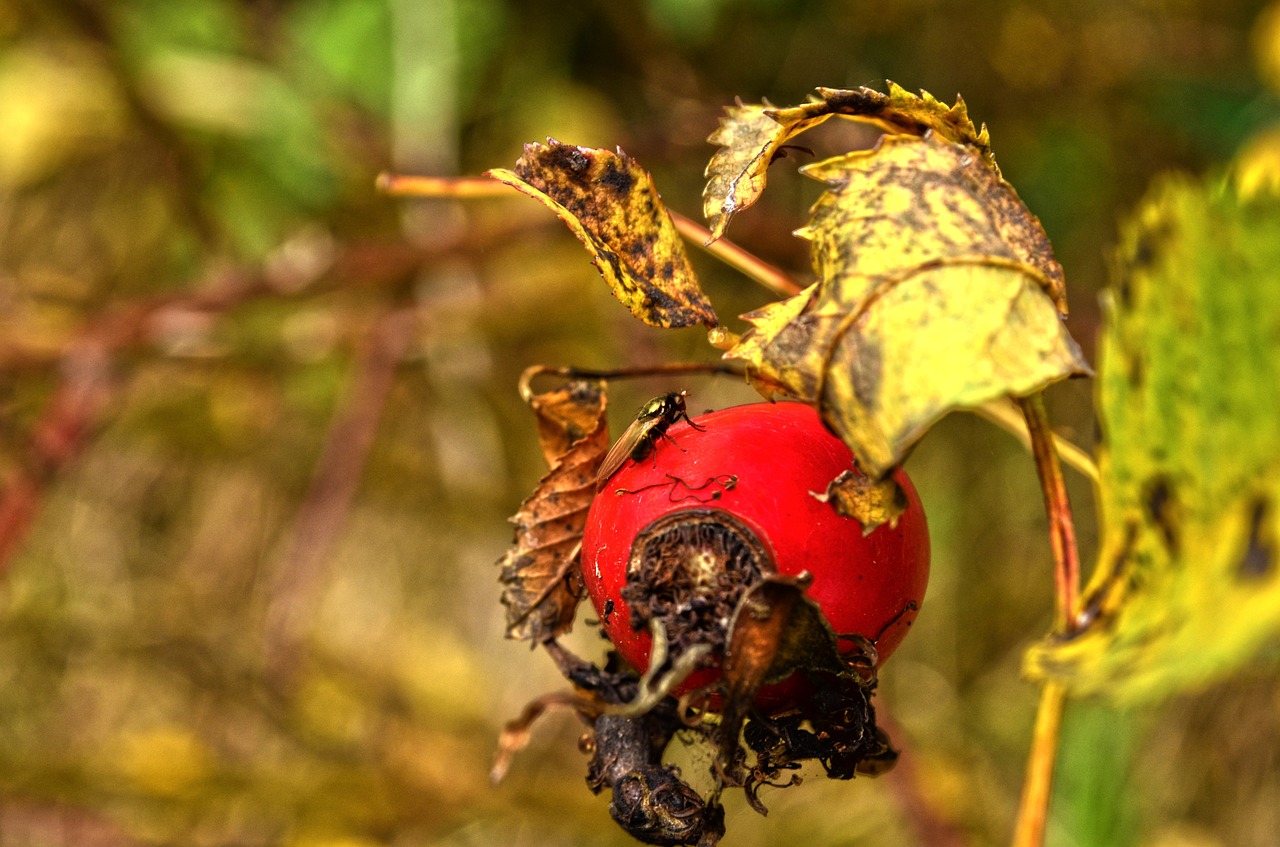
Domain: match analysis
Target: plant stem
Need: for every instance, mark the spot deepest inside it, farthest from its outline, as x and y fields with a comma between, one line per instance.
x=773, y=278
x=451, y=187
x=1033, y=809
x=478, y=187
x=1006, y=415
x=1062, y=532
x=1037, y=786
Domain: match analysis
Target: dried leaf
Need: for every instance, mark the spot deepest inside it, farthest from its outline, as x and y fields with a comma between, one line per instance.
x=750, y=136
x=870, y=502
x=567, y=415
x=1187, y=586
x=542, y=572
x=776, y=631
x=611, y=205
x=937, y=290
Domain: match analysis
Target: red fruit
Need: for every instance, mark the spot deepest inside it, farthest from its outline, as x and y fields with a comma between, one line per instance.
x=711, y=509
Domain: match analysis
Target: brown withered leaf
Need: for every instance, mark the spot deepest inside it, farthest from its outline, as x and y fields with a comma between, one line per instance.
x=542, y=572
x=567, y=415
x=612, y=206
x=868, y=501
x=937, y=289
x=750, y=136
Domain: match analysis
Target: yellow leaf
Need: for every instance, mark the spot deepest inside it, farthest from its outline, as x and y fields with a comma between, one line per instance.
x=611, y=205
x=167, y=761
x=937, y=290
x=870, y=502
x=750, y=136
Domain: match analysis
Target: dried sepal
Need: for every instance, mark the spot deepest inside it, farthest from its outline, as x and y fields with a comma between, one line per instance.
x=869, y=501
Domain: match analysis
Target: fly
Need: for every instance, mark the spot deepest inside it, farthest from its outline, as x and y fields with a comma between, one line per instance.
x=638, y=441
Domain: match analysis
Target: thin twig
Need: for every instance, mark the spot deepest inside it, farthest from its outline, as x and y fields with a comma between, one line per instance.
x=771, y=277
x=442, y=187
x=138, y=323
x=1033, y=809
x=65, y=427
x=474, y=187
x=1062, y=533
x=1006, y=415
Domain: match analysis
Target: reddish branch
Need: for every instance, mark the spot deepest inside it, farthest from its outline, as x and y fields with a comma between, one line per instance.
x=87, y=364
x=67, y=423
x=1062, y=532
x=1037, y=788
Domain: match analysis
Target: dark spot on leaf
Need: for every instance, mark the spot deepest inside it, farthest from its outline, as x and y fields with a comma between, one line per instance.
x=866, y=369
x=1136, y=373
x=617, y=178
x=566, y=157
x=1150, y=242
x=1160, y=501
x=1125, y=292
x=1259, y=553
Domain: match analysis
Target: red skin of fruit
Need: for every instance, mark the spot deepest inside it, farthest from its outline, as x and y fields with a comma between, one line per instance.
x=780, y=453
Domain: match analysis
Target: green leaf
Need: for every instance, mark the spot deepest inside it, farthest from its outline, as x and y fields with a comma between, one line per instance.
x=1187, y=586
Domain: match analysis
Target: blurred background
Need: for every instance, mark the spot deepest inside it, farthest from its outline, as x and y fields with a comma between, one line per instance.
x=259, y=433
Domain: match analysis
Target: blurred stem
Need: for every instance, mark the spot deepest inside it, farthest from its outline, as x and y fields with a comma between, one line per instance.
x=323, y=513
x=1037, y=786
x=459, y=187
x=1033, y=810
x=475, y=187
x=66, y=426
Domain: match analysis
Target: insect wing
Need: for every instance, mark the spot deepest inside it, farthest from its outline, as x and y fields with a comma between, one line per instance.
x=621, y=450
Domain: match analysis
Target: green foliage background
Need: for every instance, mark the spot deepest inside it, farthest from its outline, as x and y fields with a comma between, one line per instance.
x=266, y=423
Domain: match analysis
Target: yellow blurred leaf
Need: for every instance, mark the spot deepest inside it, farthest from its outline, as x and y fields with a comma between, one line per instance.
x=611, y=205
x=750, y=137
x=164, y=761
x=1187, y=585
x=937, y=289
x=56, y=100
